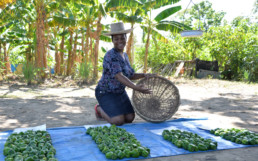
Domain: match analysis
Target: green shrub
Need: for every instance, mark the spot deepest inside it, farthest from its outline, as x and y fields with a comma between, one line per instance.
x=84, y=70
x=29, y=72
x=2, y=67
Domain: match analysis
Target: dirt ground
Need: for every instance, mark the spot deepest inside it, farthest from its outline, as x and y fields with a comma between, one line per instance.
x=225, y=103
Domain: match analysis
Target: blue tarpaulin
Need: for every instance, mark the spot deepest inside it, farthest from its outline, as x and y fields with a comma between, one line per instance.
x=72, y=144
x=13, y=67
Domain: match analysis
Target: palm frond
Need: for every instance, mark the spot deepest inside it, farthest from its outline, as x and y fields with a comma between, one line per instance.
x=158, y=36
x=89, y=2
x=167, y=12
x=171, y=26
x=6, y=26
x=180, y=25
x=65, y=21
x=105, y=38
x=128, y=19
x=102, y=10
x=162, y=3
x=138, y=12
x=53, y=6
x=123, y=17
x=145, y=30
x=123, y=3
x=149, y=5
x=103, y=50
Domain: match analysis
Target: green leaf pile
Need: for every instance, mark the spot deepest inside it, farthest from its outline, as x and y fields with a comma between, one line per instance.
x=239, y=136
x=189, y=141
x=117, y=143
x=29, y=146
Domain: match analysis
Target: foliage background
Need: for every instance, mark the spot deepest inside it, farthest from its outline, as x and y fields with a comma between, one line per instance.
x=232, y=44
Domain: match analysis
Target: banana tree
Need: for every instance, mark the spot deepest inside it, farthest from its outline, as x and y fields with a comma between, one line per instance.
x=41, y=60
x=89, y=18
x=79, y=17
x=59, y=23
x=101, y=13
x=5, y=65
x=94, y=14
x=13, y=27
x=83, y=16
x=154, y=26
x=90, y=22
x=66, y=19
x=5, y=28
x=151, y=27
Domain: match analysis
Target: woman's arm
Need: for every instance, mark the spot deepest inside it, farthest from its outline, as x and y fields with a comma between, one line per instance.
x=137, y=76
x=125, y=81
x=141, y=75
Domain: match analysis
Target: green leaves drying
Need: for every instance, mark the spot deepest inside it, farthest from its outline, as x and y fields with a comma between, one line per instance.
x=29, y=146
x=239, y=136
x=117, y=143
x=189, y=141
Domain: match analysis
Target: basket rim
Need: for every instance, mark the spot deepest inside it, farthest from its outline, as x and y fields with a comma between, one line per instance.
x=174, y=107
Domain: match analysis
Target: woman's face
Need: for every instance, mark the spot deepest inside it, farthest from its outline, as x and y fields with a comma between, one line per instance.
x=119, y=41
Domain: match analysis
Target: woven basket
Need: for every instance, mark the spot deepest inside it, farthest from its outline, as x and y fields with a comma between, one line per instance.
x=161, y=104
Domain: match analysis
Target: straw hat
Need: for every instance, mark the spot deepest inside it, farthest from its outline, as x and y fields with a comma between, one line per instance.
x=117, y=28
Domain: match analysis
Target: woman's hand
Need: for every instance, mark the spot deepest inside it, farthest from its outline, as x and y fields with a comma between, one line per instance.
x=124, y=80
x=142, y=89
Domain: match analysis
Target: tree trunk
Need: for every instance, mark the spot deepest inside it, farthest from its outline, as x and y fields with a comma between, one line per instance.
x=87, y=46
x=70, y=54
x=83, y=46
x=45, y=56
x=96, y=48
x=57, y=54
x=91, y=56
x=156, y=43
x=1, y=59
x=29, y=55
x=40, y=33
x=47, y=49
x=62, y=55
x=6, y=60
x=74, y=54
x=57, y=59
x=129, y=45
x=146, y=50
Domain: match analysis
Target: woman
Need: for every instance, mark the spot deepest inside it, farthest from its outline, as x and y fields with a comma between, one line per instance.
x=114, y=104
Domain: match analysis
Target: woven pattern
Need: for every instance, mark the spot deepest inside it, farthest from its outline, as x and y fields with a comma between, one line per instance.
x=161, y=104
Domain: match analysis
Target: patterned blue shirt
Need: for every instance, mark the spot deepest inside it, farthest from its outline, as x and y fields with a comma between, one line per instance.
x=114, y=63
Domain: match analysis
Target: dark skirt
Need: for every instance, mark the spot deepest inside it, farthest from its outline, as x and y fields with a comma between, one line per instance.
x=114, y=104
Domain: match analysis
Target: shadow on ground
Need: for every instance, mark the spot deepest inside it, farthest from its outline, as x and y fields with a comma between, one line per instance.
x=245, y=109
x=51, y=110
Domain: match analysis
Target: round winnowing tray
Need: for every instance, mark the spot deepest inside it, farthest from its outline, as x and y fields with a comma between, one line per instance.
x=161, y=104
